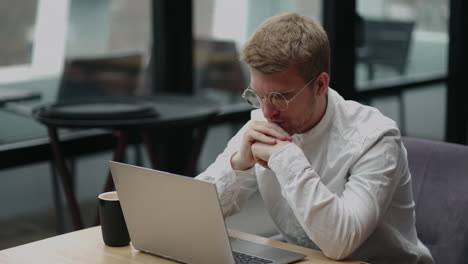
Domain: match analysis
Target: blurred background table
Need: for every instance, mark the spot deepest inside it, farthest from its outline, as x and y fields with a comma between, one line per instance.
x=144, y=117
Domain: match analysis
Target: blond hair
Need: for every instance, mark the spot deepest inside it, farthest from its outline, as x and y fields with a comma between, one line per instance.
x=287, y=39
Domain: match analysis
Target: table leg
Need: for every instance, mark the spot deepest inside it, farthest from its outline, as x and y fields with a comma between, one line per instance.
x=119, y=153
x=65, y=178
x=149, y=145
x=60, y=227
x=190, y=169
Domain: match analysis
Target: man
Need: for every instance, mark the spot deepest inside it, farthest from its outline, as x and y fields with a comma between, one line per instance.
x=333, y=173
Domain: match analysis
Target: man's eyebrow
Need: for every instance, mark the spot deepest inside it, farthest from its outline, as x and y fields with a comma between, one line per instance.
x=287, y=91
x=291, y=90
x=257, y=92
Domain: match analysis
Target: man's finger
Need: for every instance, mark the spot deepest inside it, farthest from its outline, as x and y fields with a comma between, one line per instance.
x=270, y=129
x=260, y=137
x=259, y=151
x=274, y=130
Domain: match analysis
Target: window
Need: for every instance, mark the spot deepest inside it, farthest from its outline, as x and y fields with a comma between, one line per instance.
x=32, y=38
x=398, y=38
x=403, y=42
x=59, y=29
x=105, y=27
x=17, y=23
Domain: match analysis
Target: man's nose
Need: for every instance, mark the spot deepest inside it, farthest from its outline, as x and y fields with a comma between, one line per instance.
x=268, y=109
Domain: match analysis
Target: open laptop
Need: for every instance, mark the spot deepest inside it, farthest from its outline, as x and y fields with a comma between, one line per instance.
x=180, y=218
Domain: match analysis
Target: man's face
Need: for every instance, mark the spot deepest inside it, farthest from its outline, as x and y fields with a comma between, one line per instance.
x=304, y=112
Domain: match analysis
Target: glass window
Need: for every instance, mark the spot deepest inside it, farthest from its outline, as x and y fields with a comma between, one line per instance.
x=17, y=21
x=398, y=38
x=63, y=30
x=221, y=27
x=28, y=48
x=107, y=49
x=405, y=38
x=412, y=108
x=104, y=27
x=423, y=105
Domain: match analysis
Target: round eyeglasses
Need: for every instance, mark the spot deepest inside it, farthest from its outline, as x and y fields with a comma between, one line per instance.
x=276, y=99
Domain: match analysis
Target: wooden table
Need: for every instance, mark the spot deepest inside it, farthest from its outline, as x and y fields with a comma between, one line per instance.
x=86, y=246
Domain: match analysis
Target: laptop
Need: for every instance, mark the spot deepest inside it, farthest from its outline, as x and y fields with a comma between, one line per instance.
x=180, y=218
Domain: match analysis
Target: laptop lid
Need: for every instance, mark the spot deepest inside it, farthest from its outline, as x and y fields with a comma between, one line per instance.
x=172, y=216
x=180, y=218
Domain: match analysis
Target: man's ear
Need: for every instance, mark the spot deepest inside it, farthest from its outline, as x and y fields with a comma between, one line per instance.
x=323, y=79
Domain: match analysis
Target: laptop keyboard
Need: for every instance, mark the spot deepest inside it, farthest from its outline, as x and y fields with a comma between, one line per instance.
x=247, y=259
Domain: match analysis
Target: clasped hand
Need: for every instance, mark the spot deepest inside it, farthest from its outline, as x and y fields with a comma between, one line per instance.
x=260, y=140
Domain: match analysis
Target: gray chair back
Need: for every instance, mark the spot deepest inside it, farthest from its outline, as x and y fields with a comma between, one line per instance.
x=385, y=42
x=102, y=76
x=440, y=181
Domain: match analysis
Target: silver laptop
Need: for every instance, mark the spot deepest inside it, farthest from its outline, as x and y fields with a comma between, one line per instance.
x=180, y=218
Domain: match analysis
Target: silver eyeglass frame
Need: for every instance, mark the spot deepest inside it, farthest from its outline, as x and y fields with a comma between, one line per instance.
x=271, y=95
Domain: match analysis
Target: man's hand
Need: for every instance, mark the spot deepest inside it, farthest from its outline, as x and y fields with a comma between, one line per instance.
x=262, y=152
x=257, y=132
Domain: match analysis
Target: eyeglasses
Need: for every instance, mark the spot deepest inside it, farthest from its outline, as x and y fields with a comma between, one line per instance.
x=276, y=99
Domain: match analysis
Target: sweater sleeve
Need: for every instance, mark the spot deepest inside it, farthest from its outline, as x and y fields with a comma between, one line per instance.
x=233, y=187
x=340, y=224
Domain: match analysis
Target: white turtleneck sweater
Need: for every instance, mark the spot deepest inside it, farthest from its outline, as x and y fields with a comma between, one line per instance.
x=343, y=187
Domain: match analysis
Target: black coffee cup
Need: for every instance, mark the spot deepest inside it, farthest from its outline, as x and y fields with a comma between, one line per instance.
x=113, y=226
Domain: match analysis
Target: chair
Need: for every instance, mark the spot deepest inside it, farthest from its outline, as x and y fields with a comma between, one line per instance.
x=439, y=173
x=218, y=66
x=107, y=75
x=386, y=43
